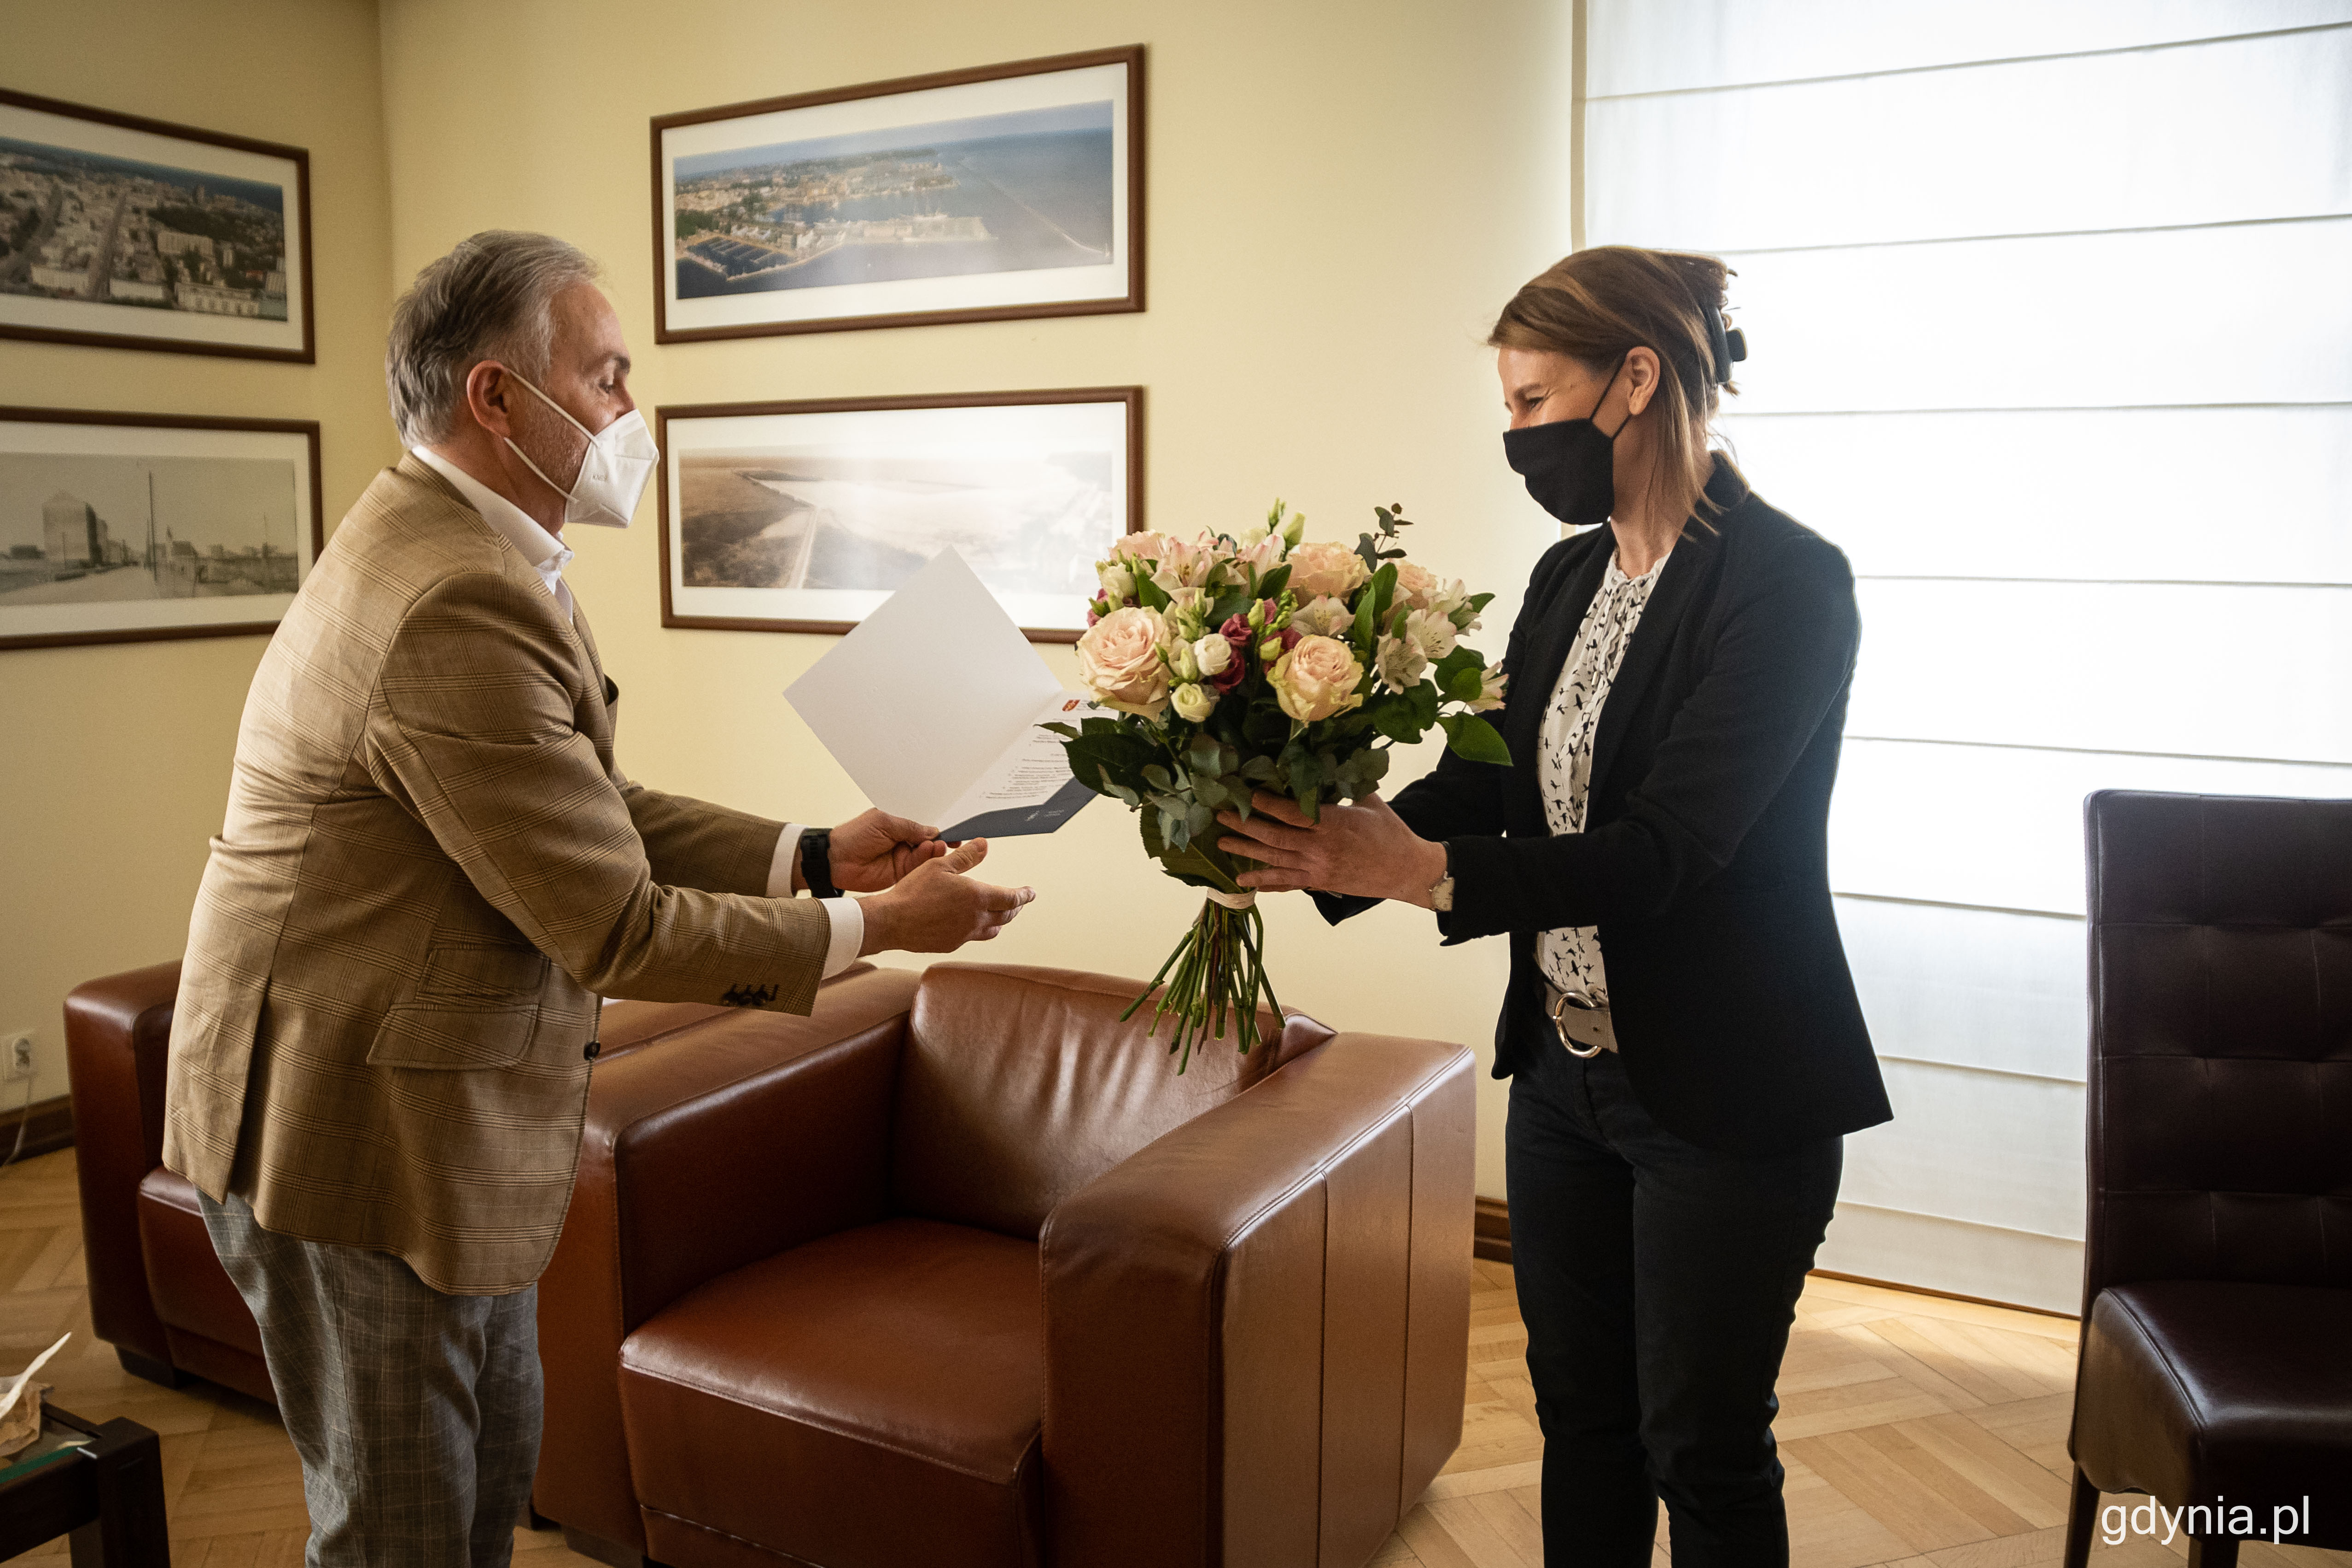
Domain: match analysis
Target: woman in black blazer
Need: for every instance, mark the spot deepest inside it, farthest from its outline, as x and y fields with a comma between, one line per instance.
x=1681, y=1029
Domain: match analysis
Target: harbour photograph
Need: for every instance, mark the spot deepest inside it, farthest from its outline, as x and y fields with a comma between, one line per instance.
x=1027, y=190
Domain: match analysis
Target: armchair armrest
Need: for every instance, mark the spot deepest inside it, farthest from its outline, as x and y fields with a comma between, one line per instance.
x=1261, y=1307
x=714, y=1143
x=118, y=1035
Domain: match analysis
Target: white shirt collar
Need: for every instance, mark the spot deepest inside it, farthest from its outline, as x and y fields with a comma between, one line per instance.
x=544, y=553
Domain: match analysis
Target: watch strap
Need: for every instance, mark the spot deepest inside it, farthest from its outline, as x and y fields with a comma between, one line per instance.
x=816, y=861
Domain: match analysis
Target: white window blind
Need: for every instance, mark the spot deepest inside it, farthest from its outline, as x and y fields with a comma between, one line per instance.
x=2050, y=313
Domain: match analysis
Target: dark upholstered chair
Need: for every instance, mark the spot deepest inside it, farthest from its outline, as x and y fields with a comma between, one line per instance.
x=2217, y=1294
x=959, y=1273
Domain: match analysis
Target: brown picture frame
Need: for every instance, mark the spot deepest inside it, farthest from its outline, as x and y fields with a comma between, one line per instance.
x=1131, y=244
x=106, y=418
x=1132, y=435
x=103, y=333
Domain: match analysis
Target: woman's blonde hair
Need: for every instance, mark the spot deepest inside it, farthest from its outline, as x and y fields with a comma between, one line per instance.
x=1597, y=305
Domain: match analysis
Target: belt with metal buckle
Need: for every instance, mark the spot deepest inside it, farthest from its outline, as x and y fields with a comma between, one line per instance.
x=1584, y=1025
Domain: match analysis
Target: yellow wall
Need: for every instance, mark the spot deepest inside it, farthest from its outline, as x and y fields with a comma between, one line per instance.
x=114, y=761
x=1340, y=195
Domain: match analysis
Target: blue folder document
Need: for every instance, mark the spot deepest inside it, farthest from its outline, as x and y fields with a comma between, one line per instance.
x=931, y=703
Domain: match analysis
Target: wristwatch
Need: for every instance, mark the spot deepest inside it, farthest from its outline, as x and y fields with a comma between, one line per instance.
x=816, y=861
x=1441, y=892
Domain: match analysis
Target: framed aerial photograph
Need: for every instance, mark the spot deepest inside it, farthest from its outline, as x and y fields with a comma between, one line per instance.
x=126, y=528
x=973, y=195
x=132, y=233
x=803, y=516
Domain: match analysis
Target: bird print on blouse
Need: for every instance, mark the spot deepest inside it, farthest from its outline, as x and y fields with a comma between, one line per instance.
x=1571, y=955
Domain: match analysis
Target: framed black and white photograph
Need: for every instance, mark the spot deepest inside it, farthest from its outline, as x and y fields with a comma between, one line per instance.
x=803, y=516
x=132, y=233
x=983, y=194
x=125, y=528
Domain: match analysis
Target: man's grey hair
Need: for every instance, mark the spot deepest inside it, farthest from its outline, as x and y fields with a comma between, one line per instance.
x=490, y=298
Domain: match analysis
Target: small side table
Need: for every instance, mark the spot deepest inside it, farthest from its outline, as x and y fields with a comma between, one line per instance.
x=104, y=1483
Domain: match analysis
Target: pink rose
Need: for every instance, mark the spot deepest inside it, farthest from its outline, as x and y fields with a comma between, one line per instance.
x=1416, y=585
x=1318, y=570
x=1119, y=660
x=1316, y=679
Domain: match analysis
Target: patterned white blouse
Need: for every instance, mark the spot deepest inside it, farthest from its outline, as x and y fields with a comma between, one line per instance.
x=1571, y=955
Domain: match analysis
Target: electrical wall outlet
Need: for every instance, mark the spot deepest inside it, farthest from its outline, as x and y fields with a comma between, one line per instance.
x=16, y=1057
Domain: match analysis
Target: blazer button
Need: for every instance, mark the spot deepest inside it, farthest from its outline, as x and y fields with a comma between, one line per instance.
x=588, y=1052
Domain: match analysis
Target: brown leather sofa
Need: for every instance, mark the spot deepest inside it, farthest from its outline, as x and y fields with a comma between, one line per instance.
x=956, y=1271
x=2217, y=1297
x=157, y=1293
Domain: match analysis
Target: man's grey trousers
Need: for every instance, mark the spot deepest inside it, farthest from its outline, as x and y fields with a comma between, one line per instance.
x=416, y=1414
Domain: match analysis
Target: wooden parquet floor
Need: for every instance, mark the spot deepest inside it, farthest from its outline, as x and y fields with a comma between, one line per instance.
x=1917, y=1432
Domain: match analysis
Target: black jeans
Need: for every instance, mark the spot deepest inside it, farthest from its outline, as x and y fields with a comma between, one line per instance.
x=1657, y=1280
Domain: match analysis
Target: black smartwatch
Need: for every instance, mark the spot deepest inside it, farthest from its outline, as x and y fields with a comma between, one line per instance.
x=816, y=861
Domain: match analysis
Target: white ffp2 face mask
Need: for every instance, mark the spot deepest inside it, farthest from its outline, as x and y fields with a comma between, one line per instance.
x=613, y=472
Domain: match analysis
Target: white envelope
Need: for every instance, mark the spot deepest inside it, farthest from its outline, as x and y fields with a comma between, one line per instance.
x=932, y=702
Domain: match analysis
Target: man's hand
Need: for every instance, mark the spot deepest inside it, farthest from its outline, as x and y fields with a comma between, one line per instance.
x=873, y=851
x=938, y=909
x=1364, y=849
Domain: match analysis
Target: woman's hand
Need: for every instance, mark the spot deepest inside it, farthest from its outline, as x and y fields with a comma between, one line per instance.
x=873, y=850
x=1364, y=849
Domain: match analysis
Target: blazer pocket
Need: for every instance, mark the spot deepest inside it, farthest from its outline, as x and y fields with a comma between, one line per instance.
x=487, y=972
x=441, y=1038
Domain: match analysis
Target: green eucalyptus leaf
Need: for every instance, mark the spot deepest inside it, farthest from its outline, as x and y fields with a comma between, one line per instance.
x=1159, y=777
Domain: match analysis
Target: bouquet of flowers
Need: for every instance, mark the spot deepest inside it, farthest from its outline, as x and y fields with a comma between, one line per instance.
x=1262, y=662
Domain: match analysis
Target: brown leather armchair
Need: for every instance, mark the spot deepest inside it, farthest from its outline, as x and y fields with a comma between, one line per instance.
x=958, y=1272
x=2218, y=1271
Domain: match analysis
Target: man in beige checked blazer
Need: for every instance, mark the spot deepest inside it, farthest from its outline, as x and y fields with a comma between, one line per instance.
x=431, y=871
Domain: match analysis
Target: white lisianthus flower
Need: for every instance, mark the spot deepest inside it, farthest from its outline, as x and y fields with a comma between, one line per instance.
x=1186, y=614
x=1324, y=617
x=1117, y=580
x=1316, y=679
x=1119, y=660
x=1432, y=632
x=1182, y=664
x=1491, y=691
x=1194, y=701
x=1400, y=664
x=1213, y=653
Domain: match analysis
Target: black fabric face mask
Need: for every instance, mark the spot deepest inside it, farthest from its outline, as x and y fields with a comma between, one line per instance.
x=1569, y=465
